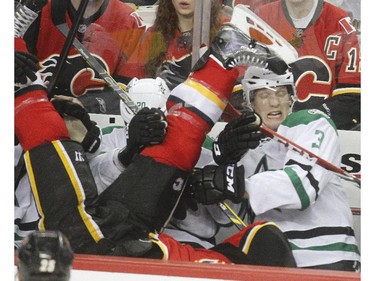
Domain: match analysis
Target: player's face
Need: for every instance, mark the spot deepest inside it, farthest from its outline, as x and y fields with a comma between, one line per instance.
x=184, y=7
x=272, y=104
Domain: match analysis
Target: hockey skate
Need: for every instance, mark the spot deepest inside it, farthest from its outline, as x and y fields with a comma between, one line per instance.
x=232, y=47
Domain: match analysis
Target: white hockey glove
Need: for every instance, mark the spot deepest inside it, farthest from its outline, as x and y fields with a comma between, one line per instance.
x=213, y=184
x=239, y=135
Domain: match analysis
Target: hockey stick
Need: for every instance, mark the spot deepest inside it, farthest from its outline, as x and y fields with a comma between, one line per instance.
x=91, y=61
x=70, y=36
x=309, y=155
x=201, y=28
x=231, y=214
x=174, y=207
x=356, y=211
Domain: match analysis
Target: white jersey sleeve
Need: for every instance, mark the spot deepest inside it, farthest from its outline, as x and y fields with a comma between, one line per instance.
x=106, y=167
x=282, y=178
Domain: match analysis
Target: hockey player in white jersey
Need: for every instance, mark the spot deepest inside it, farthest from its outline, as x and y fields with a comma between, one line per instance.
x=122, y=141
x=307, y=201
x=196, y=224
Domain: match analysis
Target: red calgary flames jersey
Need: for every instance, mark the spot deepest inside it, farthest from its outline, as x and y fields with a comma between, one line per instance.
x=110, y=36
x=175, y=65
x=328, y=49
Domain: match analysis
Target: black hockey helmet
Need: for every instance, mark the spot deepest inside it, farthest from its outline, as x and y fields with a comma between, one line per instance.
x=44, y=256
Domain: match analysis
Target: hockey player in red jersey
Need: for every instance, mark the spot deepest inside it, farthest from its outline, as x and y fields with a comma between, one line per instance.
x=143, y=196
x=109, y=30
x=327, y=72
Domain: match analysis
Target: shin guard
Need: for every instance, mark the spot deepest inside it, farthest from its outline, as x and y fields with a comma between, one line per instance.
x=148, y=189
x=64, y=188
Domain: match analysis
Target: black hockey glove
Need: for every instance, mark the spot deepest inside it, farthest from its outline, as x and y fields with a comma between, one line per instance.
x=213, y=184
x=344, y=110
x=147, y=127
x=25, y=66
x=92, y=139
x=239, y=135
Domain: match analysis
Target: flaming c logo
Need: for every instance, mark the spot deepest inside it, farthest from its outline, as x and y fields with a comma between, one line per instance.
x=76, y=78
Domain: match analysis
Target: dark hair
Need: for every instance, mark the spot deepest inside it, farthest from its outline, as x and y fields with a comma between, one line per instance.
x=164, y=30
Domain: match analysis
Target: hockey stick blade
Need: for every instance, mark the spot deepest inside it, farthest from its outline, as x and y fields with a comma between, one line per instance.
x=91, y=61
x=309, y=155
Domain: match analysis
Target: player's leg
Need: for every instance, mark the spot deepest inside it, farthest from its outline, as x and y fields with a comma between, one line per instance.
x=194, y=106
x=159, y=173
x=261, y=243
x=58, y=172
x=167, y=248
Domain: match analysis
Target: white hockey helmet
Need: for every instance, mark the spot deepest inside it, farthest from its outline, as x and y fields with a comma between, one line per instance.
x=258, y=78
x=146, y=92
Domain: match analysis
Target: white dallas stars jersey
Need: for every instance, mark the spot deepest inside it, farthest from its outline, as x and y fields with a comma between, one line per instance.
x=307, y=201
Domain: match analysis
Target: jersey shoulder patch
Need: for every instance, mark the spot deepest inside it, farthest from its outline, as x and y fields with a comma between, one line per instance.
x=306, y=116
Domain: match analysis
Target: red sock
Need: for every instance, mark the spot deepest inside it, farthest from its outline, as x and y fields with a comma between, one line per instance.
x=193, y=108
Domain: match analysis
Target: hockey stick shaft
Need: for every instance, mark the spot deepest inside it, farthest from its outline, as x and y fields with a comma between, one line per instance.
x=70, y=36
x=91, y=61
x=309, y=155
x=231, y=214
x=201, y=28
x=356, y=211
x=175, y=206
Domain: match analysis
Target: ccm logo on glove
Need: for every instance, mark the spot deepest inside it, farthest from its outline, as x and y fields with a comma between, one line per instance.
x=230, y=178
